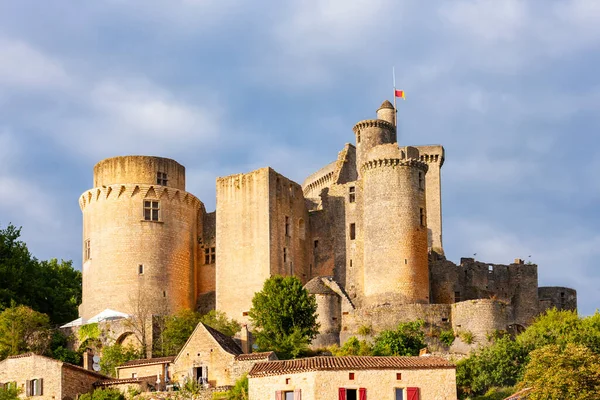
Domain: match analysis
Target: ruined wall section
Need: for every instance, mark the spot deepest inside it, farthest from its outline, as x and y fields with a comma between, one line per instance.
x=289, y=236
x=395, y=228
x=434, y=157
x=128, y=258
x=480, y=318
x=243, y=235
x=562, y=298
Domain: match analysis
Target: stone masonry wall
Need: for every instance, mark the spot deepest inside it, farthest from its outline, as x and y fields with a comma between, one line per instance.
x=481, y=317
x=434, y=157
x=76, y=381
x=433, y=384
x=558, y=297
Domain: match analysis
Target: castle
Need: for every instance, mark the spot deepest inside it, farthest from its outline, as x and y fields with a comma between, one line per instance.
x=364, y=233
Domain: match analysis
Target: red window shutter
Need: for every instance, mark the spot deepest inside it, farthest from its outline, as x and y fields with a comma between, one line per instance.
x=342, y=394
x=413, y=393
x=362, y=394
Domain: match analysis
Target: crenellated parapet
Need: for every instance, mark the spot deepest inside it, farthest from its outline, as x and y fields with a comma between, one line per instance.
x=373, y=123
x=394, y=163
x=116, y=192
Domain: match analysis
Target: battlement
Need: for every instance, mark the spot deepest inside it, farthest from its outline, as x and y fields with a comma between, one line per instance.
x=373, y=123
x=116, y=192
x=394, y=162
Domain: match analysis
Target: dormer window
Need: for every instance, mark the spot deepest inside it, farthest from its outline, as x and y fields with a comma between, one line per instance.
x=161, y=178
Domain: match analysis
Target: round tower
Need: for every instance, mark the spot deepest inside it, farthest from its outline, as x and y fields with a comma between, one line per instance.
x=373, y=132
x=140, y=230
x=394, y=226
x=329, y=313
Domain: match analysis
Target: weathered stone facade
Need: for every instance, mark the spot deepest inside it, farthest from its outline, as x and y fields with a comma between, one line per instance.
x=322, y=378
x=368, y=226
x=45, y=378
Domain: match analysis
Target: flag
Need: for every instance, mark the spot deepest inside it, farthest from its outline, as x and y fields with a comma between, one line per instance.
x=400, y=93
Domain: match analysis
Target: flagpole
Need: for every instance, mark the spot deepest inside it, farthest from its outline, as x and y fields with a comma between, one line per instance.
x=395, y=109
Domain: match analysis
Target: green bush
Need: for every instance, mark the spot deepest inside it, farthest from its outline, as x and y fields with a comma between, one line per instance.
x=103, y=394
x=447, y=337
x=11, y=392
x=466, y=336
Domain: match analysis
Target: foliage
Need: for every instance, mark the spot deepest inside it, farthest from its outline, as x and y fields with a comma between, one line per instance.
x=23, y=330
x=406, y=340
x=10, y=392
x=466, y=336
x=48, y=287
x=178, y=328
x=496, y=394
x=103, y=394
x=88, y=331
x=285, y=317
x=132, y=392
x=500, y=364
x=352, y=347
x=239, y=390
x=447, y=337
x=554, y=327
x=365, y=330
x=219, y=321
x=191, y=387
x=569, y=372
x=116, y=355
x=59, y=349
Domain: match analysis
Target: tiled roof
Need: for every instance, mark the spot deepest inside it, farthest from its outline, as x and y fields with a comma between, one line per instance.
x=64, y=364
x=316, y=286
x=109, y=382
x=22, y=355
x=386, y=104
x=329, y=363
x=254, y=356
x=226, y=343
x=144, y=361
x=90, y=372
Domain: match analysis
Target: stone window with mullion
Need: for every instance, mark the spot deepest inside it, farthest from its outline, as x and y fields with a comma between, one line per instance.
x=151, y=210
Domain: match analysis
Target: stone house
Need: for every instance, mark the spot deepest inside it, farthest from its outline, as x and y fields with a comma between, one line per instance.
x=208, y=356
x=354, y=378
x=43, y=378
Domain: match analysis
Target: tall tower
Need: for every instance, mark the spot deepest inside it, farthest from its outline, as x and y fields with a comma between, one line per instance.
x=140, y=233
x=395, y=264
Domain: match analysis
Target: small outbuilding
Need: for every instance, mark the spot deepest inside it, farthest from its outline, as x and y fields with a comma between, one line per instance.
x=354, y=378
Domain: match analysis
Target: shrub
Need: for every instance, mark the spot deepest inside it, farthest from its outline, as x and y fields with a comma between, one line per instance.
x=447, y=337
x=103, y=394
x=466, y=336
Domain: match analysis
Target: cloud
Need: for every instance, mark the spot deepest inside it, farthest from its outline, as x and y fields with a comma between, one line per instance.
x=23, y=66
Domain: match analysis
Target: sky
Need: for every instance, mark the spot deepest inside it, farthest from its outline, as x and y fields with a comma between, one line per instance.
x=510, y=88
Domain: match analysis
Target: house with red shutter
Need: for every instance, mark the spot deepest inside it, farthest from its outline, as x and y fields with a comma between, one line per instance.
x=354, y=378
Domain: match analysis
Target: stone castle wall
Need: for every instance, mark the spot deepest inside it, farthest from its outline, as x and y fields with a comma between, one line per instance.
x=131, y=258
x=481, y=317
x=434, y=157
x=562, y=298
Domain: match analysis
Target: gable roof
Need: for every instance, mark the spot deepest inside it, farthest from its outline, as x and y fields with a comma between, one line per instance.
x=58, y=363
x=147, y=361
x=223, y=341
x=329, y=363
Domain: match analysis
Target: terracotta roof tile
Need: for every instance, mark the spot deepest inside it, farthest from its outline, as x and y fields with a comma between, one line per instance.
x=144, y=361
x=329, y=363
x=386, y=104
x=254, y=356
x=109, y=382
x=22, y=355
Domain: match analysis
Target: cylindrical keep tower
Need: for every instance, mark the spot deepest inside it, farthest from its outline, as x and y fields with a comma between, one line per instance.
x=139, y=237
x=329, y=310
x=395, y=226
x=374, y=132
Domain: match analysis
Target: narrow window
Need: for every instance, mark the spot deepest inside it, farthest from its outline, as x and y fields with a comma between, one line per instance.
x=287, y=226
x=398, y=376
x=352, y=231
x=213, y=255
x=141, y=269
x=350, y=263
x=287, y=381
x=87, y=253
x=351, y=376
x=134, y=375
x=210, y=256
x=457, y=297
x=289, y=396
x=490, y=268
x=291, y=268
x=422, y=216
x=399, y=394
x=151, y=210
x=352, y=194
x=164, y=293
x=284, y=254
x=161, y=178
x=316, y=243
x=358, y=137
x=421, y=181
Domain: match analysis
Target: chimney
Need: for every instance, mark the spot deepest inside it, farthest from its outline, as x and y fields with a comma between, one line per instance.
x=245, y=339
x=88, y=360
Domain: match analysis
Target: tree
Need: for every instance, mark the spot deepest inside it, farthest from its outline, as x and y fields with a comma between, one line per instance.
x=219, y=321
x=352, y=347
x=23, y=329
x=240, y=390
x=10, y=392
x=49, y=287
x=177, y=330
x=117, y=355
x=554, y=327
x=142, y=305
x=284, y=316
x=572, y=372
x=406, y=340
x=498, y=365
